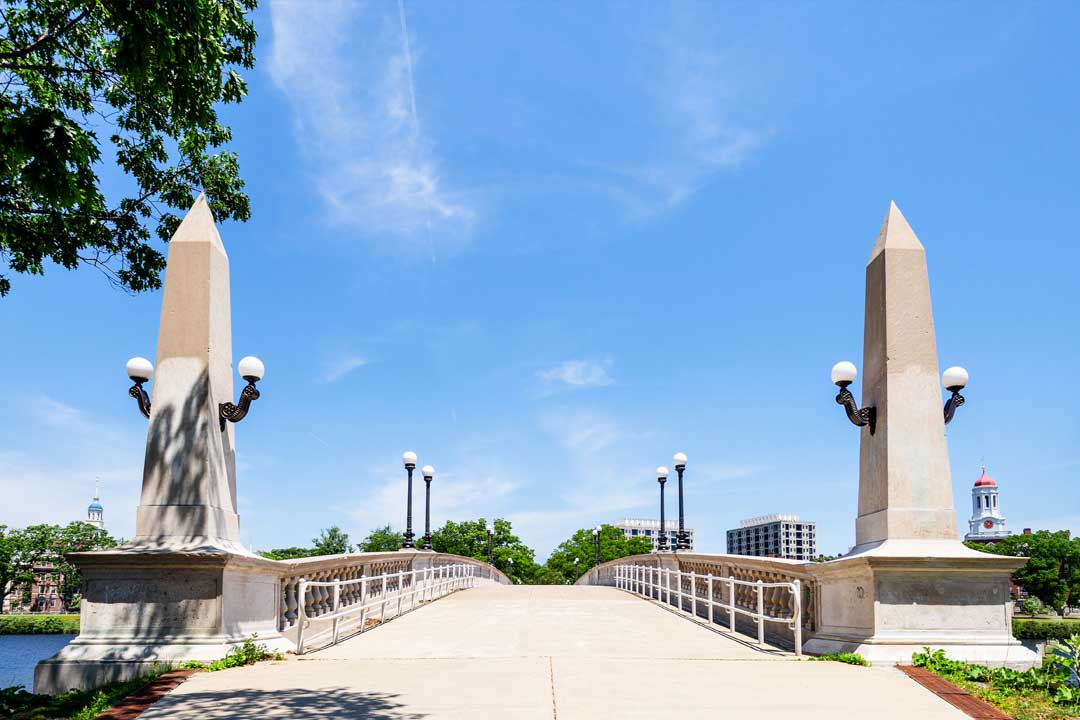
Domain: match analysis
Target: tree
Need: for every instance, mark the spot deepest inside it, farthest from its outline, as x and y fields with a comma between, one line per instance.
x=37, y=546
x=1052, y=573
x=384, y=539
x=469, y=538
x=613, y=545
x=149, y=74
x=332, y=541
x=289, y=553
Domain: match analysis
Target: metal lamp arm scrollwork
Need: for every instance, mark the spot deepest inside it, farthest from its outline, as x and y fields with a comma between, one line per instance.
x=866, y=416
x=136, y=391
x=235, y=413
x=955, y=401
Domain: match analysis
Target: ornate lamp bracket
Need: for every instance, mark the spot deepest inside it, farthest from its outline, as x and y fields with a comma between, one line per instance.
x=955, y=401
x=235, y=413
x=136, y=391
x=866, y=416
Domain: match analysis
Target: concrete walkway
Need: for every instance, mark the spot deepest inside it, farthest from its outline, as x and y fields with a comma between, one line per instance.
x=558, y=653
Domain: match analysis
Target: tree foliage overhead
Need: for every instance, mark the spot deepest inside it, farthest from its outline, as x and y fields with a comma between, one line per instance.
x=1052, y=573
x=581, y=546
x=143, y=75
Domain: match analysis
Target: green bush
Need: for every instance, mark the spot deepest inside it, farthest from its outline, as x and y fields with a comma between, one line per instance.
x=1054, y=680
x=1032, y=605
x=1044, y=629
x=849, y=658
x=38, y=624
x=248, y=653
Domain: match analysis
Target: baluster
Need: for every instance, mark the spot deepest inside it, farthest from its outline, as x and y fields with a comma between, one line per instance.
x=291, y=604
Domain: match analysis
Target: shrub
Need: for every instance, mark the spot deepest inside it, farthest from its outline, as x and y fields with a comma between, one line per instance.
x=1044, y=629
x=1032, y=605
x=248, y=653
x=38, y=624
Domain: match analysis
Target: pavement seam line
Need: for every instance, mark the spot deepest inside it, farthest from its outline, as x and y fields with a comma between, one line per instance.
x=551, y=673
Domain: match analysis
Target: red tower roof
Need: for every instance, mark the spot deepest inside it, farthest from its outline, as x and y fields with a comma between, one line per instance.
x=985, y=480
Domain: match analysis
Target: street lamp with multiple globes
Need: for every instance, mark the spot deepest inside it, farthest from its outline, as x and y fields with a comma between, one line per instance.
x=661, y=477
x=682, y=541
x=576, y=573
x=409, y=458
x=429, y=475
x=596, y=542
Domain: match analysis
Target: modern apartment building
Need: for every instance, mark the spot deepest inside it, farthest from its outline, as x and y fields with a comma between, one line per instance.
x=779, y=535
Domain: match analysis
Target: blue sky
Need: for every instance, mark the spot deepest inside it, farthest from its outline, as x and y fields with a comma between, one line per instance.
x=548, y=245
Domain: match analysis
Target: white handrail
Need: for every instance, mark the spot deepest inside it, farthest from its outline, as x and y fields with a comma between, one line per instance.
x=641, y=580
x=374, y=591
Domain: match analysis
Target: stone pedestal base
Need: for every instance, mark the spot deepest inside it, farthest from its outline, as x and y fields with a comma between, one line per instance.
x=888, y=601
x=145, y=606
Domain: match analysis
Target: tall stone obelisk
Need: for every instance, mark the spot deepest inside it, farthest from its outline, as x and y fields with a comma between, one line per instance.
x=184, y=588
x=908, y=582
x=905, y=488
x=189, y=476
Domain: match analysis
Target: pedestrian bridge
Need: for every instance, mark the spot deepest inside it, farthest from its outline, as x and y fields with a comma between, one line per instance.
x=553, y=652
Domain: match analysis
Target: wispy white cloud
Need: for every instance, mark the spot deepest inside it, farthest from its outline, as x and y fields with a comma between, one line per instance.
x=343, y=367
x=578, y=374
x=355, y=112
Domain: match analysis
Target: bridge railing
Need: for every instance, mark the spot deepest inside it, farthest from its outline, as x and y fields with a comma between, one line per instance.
x=365, y=602
x=776, y=575
x=323, y=598
x=709, y=593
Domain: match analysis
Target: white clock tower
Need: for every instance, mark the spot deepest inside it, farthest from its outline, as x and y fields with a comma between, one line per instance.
x=986, y=523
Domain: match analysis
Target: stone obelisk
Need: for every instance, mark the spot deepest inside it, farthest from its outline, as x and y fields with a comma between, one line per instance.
x=905, y=489
x=184, y=588
x=189, y=476
x=908, y=582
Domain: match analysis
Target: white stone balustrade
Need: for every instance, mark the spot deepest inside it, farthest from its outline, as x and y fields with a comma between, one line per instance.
x=324, y=599
x=689, y=580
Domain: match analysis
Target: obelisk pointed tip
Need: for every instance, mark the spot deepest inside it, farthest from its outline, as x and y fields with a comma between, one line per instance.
x=895, y=233
x=198, y=225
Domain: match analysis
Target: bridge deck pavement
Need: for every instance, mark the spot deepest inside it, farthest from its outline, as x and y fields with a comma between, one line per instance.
x=558, y=653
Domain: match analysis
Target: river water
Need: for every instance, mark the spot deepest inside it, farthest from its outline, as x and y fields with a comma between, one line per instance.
x=19, y=654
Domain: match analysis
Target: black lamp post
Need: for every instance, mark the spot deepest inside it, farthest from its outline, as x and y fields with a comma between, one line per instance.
x=661, y=477
x=682, y=542
x=577, y=573
x=429, y=475
x=409, y=459
x=491, y=546
x=511, y=561
x=596, y=541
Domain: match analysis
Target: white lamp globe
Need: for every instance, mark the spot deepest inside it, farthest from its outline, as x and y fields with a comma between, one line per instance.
x=954, y=377
x=409, y=457
x=429, y=472
x=844, y=372
x=661, y=472
x=251, y=368
x=679, y=459
x=139, y=368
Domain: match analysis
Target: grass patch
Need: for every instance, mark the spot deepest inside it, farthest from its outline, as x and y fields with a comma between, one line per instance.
x=39, y=624
x=19, y=704
x=849, y=658
x=1049, y=692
